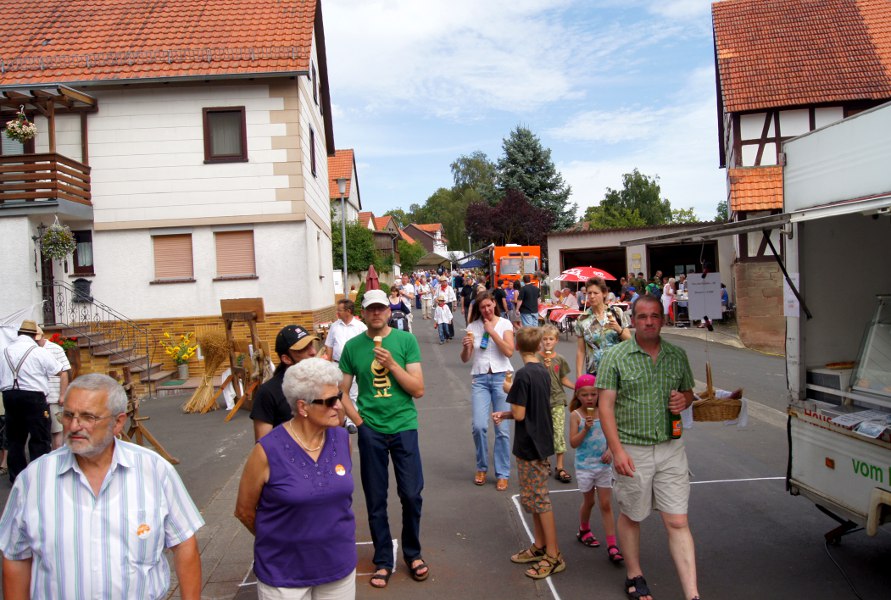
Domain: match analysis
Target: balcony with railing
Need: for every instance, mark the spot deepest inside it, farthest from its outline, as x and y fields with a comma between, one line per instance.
x=45, y=176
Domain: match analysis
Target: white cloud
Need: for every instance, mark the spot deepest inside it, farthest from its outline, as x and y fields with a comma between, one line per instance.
x=677, y=141
x=455, y=58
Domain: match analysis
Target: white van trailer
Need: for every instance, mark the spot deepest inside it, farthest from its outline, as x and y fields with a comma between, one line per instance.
x=837, y=192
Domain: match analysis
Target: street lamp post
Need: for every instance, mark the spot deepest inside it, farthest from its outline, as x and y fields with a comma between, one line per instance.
x=341, y=187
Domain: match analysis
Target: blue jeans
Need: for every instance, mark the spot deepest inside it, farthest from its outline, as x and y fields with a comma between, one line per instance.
x=529, y=319
x=443, y=331
x=375, y=450
x=487, y=396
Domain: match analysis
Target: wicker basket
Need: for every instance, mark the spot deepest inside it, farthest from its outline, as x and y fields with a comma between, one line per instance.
x=714, y=409
x=709, y=408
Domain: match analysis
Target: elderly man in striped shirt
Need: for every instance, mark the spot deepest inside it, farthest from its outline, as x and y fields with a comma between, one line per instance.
x=91, y=519
x=643, y=381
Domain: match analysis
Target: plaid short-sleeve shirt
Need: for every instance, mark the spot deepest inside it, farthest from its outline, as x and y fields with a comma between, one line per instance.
x=643, y=389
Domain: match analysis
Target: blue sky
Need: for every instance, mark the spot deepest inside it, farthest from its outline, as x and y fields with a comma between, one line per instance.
x=607, y=85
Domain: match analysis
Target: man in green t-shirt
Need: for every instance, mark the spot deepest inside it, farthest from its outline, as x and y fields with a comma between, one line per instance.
x=386, y=364
x=643, y=381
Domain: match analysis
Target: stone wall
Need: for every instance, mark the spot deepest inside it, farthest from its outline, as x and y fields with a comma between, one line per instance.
x=759, y=306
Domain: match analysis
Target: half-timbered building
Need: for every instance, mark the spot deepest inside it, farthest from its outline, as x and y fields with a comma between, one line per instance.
x=784, y=68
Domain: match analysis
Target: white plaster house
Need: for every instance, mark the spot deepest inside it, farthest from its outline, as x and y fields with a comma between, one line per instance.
x=187, y=146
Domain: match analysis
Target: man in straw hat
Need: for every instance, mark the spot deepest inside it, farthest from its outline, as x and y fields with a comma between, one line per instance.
x=292, y=344
x=642, y=380
x=25, y=371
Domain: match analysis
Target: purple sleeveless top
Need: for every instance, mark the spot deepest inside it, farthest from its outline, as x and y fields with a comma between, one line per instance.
x=305, y=527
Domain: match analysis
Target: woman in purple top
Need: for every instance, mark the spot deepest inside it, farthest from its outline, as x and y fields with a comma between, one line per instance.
x=296, y=492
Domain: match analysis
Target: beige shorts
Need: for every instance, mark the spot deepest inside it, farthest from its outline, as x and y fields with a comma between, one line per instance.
x=661, y=480
x=55, y=416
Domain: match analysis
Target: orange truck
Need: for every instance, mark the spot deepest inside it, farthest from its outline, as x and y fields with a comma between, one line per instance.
x=511, y=262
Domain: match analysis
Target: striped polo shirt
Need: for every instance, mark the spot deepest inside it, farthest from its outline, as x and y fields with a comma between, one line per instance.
x=643, y=389
x=98, y=547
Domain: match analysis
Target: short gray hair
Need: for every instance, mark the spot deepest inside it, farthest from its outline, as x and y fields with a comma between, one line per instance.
x=304, y=381
x=116, y=397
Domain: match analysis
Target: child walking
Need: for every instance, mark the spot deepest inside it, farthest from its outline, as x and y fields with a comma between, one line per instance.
x=592, y=465
x=533, y=443
x=558, y=369
x=442, y=316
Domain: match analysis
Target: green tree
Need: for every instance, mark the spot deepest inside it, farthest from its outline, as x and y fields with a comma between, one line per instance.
x=722, y=216
x=683, y=215
x=613, y=217
x=527, y=167
x=360, y=248
x=477, y=173
x=409, y=255
x=400, y=216
x=639, y=199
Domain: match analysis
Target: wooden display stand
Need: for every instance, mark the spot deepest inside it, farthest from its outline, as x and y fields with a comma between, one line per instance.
x=138, y=433
x=250, y=311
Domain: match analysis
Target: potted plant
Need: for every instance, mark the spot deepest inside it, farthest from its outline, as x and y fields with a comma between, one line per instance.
x=181, y=351
x=72, y=352
x=20, y=128
x=57, y=242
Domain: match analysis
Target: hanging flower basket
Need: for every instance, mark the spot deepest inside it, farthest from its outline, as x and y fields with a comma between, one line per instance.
x=57, y=242
x=20, y=128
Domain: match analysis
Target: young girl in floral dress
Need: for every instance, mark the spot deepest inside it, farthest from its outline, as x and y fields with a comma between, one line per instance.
x=592, y=465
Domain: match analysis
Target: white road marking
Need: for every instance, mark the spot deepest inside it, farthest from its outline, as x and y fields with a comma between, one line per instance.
x=516, y=500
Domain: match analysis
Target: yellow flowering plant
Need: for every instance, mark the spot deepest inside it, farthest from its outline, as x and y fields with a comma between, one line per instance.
x=181, y=350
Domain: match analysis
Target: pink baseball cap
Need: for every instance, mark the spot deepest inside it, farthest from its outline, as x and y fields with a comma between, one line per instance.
x=585, y=380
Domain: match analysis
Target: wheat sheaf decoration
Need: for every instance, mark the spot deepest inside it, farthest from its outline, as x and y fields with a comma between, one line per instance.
x=215, y=348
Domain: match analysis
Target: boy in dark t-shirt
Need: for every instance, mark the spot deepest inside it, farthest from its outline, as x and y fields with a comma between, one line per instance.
x=529, y=397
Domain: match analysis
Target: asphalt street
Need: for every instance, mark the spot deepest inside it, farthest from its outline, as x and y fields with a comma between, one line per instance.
x=753, y=539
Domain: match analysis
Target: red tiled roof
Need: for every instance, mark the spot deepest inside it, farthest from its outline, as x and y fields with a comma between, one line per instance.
x=365, y=217
x=76, y=41
x=340, y=165
x=756, y=188
x=407, y=237
x=380, y=223
x=431, y=227
x=775, y=53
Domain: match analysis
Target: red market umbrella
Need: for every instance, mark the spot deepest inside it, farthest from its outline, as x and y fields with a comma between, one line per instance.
x=371, y=281
x=579, y=274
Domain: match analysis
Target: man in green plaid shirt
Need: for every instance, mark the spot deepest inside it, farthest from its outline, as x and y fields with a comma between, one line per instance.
x=642, y=382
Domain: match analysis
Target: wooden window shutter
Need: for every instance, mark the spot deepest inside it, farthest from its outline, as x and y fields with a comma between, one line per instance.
x=173, y=256
x=235, y=253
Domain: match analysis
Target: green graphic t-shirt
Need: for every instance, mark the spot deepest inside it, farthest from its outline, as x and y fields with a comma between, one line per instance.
x=383, y=404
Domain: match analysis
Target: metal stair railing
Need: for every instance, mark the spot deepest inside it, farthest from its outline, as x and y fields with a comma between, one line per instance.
x=77, y=310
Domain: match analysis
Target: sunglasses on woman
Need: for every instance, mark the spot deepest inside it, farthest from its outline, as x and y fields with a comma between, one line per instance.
x=328, y=402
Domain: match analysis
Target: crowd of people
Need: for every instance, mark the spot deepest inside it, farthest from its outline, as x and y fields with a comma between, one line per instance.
x=366, y=382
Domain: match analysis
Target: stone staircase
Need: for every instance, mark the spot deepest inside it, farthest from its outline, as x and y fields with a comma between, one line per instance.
x=107, y=341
